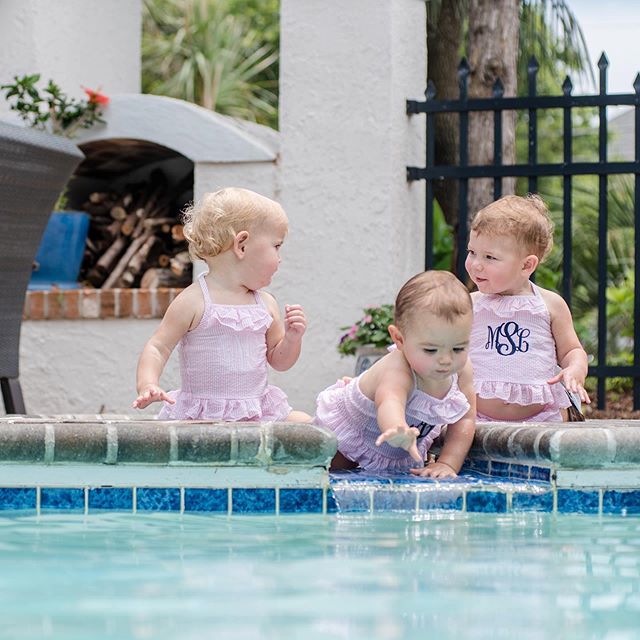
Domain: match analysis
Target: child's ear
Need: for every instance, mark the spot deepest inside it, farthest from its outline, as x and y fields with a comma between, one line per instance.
x=530, y=264
x=396, y=336
x=239, y=243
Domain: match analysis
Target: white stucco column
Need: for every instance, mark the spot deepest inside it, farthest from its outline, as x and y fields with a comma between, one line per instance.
x=92, y=43
x=356, y=225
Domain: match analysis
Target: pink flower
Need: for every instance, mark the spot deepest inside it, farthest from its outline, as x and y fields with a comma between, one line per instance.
x=352, y=332
x=367, y=319
x=96, y=97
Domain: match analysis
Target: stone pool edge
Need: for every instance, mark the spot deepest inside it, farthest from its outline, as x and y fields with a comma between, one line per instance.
x=85, y=463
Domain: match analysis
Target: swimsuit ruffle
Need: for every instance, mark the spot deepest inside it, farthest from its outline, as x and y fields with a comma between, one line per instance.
x=507, y=306
x=272, y=405
x=523, y=394
x=243, y=317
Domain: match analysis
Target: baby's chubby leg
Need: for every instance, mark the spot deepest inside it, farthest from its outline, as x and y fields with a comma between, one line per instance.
x=298, y=416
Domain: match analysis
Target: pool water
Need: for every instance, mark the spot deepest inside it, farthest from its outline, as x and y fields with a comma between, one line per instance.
x=438, y=575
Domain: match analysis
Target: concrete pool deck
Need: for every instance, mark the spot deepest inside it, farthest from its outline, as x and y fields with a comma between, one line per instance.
x=87, y=462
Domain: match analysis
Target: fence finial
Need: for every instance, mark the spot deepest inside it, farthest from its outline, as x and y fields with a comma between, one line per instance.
x=636, y=83
x=498, y=88
x=567, y=86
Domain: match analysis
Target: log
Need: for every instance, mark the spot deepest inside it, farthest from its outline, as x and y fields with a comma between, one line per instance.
x=141, y=256
x=180, y=263
x=118, y=212
x=97, y=197
x=156, y=278
x=100, y=270
x=129, y=224
x=177, y=232
x=163, y=260
x=118, y=270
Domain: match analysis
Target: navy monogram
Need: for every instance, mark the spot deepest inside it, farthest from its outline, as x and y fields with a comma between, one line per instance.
x=423, y=428
x=507, y=338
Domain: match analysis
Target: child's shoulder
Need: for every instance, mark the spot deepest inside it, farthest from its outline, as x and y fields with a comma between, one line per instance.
x=269, y=301
x=555, y=302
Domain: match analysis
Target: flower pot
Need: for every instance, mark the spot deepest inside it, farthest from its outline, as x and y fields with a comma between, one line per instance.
x=61, y=251
x=366, y=356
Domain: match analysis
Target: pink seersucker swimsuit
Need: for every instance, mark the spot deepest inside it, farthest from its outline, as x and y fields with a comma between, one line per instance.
x=353, y=417
x=223, y=367
x=513, y=353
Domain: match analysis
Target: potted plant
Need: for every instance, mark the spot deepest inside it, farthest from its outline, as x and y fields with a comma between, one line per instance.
x=62, y=247
x=367, y=338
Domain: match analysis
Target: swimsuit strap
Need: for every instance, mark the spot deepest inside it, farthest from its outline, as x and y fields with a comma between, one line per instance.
x=205, y=288
x=258, y=299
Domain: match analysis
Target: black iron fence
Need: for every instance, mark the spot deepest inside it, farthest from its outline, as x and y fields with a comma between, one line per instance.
x=532, y=170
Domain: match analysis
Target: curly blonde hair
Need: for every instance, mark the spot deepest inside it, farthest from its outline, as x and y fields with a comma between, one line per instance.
x=437, y=292
x=525, y=219
x=211, y=224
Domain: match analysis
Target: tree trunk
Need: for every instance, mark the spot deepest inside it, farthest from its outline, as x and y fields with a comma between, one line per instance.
x=493, y=54
x=444, y=38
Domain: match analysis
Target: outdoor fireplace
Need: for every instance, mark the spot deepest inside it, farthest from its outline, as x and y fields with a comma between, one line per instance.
x=133, y=191
x=153, y=156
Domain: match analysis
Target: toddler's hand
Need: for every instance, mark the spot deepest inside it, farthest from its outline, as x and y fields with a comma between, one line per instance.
x=151, y=393
x=435, y=470
x=295, y=322
x=403, y=437
x=573, y=382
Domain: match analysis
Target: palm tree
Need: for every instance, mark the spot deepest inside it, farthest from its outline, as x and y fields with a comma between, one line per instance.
x=198, y=50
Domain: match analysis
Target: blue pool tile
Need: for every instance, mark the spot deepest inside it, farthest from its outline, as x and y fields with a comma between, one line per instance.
x=206, y=500
x=157, y=499
x=487, y=501
x=627, y=502
x=62, y=498
x=351, y=500
x=394, y=500
x=112, y=498
x=254, y=500
x=575, y=501
x=332, y=506
x=17, y=498
x=499, y=468
x=450, y=500
x=523, y=501
x=479, y=465
x=518, y=471
x=540, y=473
x=301, y=500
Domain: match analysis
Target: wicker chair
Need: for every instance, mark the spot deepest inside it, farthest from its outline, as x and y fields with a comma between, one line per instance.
x=34, y=168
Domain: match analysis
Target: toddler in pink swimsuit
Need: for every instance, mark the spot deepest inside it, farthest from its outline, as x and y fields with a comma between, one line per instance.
x=227, y=329
x=521, y=332
x=387, y=418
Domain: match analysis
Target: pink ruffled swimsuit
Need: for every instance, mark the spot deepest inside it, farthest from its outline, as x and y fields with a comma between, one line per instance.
x=223, y=367
x=513, y=353
x=352, y=416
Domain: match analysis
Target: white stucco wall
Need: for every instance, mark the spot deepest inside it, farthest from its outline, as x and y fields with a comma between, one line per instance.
x=356, y=225
x=90, y=43
x=84, y=366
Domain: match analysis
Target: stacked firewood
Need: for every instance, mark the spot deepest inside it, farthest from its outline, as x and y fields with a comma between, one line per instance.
x=135, y=239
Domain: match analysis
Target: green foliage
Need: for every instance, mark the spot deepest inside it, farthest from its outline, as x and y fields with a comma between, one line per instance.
x=443, y=240
x=50, y=109
x=371, y=329
x=220, y=54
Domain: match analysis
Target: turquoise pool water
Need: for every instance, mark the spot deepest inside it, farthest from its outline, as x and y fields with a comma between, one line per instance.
x=438, y=575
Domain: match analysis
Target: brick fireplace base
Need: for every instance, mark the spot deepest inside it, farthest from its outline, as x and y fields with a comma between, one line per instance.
x=91, y=304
